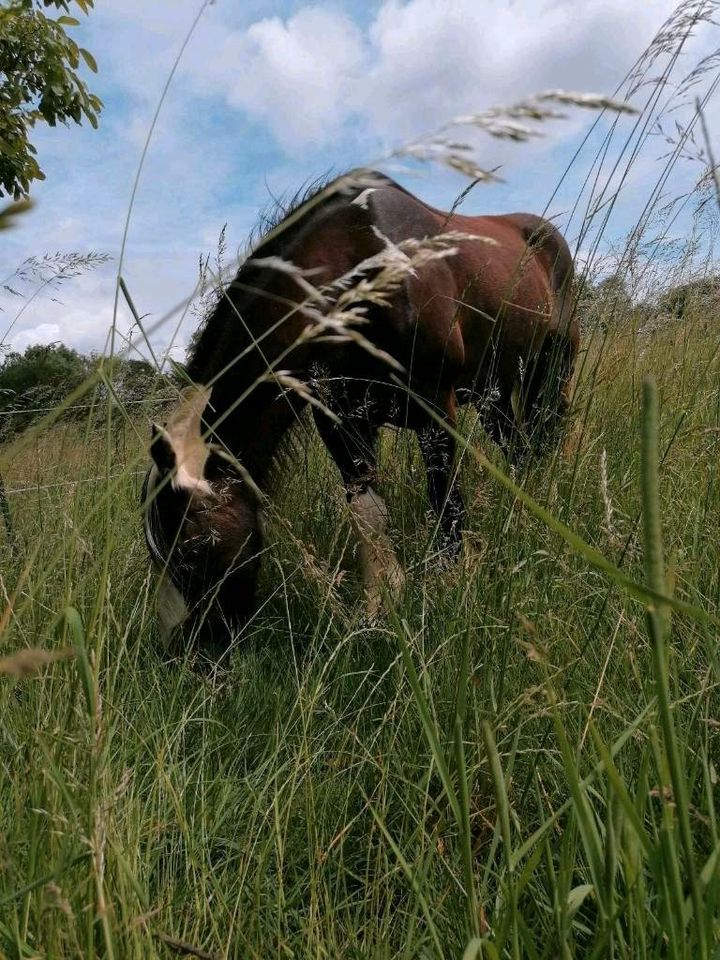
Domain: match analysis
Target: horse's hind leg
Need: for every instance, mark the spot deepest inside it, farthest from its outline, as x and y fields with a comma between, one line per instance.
x=548, y=399
x=352, y=444
x=438, y=448
x=502, y=419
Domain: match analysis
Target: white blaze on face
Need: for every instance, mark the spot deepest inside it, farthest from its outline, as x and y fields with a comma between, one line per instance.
x=378, y=563
x=183, y=434
x=184, y=430
x=184, y=480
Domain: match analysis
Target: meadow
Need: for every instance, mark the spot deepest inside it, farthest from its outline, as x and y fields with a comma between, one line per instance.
x=519, y=760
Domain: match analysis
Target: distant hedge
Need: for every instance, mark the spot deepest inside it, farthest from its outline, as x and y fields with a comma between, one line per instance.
x=36, y=381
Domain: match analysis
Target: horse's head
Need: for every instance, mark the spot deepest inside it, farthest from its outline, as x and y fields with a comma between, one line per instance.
x=202, y=526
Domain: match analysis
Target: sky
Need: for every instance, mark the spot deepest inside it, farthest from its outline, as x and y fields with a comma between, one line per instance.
x=268, y=94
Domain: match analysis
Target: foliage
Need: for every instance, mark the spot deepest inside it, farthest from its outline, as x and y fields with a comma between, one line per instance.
x=9, y=212
x=603, y=301
x=36, y=380
x=699, y=293
x=40, y=83
x=42, y=377
x=54, y=366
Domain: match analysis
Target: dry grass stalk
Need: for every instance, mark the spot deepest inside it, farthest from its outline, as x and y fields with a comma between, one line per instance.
x=26, y=663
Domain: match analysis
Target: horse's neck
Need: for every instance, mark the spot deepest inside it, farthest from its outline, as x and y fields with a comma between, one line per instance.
x=252, y=432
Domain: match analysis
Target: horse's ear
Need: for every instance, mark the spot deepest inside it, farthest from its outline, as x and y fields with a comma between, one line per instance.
x=161, y=449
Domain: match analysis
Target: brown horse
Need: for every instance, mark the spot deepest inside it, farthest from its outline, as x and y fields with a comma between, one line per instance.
x=378, y=309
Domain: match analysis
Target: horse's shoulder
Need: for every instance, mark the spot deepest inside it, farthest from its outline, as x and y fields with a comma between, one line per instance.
x=398, y=214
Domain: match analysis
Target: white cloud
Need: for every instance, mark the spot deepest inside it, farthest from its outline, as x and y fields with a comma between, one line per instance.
x=295, y=75
x=79, y=313
x=421, y=62
x=43, y=333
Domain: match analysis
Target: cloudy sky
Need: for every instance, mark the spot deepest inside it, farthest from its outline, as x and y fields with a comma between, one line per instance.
x=270, y=92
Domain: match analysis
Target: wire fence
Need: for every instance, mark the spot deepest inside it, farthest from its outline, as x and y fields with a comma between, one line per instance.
x=6, y=493
x=85, y=406
x=116, y=403
x=31, y=488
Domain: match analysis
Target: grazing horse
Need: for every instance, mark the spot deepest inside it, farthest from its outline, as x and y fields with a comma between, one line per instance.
x=378, y=310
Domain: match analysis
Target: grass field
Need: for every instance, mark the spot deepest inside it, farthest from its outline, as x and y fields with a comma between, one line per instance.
x=519, y=761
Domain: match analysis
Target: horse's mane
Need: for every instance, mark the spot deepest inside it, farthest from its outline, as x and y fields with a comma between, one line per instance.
x=206, y=337
x=279, y=208
x=271, y=216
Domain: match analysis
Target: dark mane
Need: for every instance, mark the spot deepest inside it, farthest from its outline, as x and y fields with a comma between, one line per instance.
x=208, y=333
x=279, y=208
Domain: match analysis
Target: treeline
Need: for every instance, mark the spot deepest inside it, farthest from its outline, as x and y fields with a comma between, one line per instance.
x=37, y=381
x=41, y=378
x=615, y=302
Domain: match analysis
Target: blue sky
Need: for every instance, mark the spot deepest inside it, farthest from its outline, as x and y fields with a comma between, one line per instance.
x=268, y=94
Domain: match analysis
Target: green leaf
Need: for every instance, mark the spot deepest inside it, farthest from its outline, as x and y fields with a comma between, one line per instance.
x=12, y=210
x=479, y=948
x=71, y=621
x=594, y=557
x=66, y=21
x=431, y=731
x=89, y=59
x=577, y=897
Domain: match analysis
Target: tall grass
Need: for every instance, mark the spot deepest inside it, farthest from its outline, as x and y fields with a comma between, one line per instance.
x=511, y=760
x=518, y=760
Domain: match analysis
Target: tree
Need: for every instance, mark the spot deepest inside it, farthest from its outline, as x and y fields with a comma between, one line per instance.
x=613, y=291
x=38, y=83
x=53, y=367
x=701, y=294
x=33, y=382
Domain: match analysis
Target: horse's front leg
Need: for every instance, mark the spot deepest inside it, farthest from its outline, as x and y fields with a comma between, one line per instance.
x=352, y=444
x=438, y=448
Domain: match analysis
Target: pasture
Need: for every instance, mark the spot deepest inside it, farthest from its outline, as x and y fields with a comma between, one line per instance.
x=518, y=760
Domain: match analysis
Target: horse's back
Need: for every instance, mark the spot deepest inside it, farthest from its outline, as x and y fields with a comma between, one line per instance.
x=483, y=311
x=505, y=294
